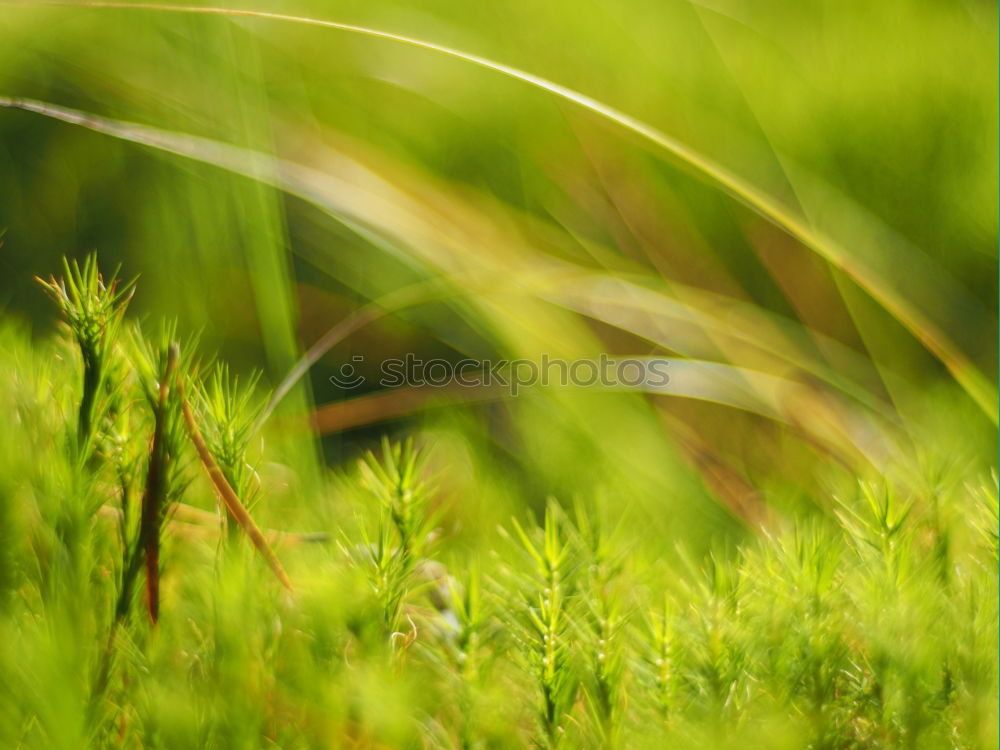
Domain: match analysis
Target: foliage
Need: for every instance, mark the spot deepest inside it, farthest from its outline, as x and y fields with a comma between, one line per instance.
x=791, y=543
x=837, y=630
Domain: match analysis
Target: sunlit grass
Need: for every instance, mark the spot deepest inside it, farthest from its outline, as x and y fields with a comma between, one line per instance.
x=873, y=624
x=793, y=544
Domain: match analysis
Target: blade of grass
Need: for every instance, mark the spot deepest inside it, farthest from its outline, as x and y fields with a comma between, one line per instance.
x=414, y=294
x=309, y=184
x=770, y=208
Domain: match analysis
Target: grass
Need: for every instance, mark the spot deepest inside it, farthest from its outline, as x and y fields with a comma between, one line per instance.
x=786, y=219
x=205, y=541
x=874, y=625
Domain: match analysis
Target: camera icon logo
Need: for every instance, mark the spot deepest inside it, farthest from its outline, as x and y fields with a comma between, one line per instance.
x=348, y=377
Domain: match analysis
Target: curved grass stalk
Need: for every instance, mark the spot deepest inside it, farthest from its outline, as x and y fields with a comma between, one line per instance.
x=316, y=187
x=339, y=199
x=409, y=296
x=654, y=313
x=767, y=206
x=307, y=183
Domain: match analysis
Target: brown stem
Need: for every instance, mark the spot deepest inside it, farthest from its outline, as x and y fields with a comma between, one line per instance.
x=152, y=499
x=234, y=506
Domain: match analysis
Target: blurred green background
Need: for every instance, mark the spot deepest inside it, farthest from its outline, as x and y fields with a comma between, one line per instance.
x=538, y=226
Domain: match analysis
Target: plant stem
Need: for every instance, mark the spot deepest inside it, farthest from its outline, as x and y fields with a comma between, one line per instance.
x=229, y=498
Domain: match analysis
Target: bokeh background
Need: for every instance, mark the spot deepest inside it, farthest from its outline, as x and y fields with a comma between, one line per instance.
x=518, y=223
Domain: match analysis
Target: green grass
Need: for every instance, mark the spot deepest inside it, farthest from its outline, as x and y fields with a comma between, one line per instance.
x=872, y=625
x=205, y=542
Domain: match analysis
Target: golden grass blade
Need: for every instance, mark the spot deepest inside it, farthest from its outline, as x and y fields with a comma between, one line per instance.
x=909, y=315
x=689, y=321
x=317, y=187
x=362, y=202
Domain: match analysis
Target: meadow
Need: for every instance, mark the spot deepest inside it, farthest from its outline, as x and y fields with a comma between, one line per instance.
x=219, y=528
